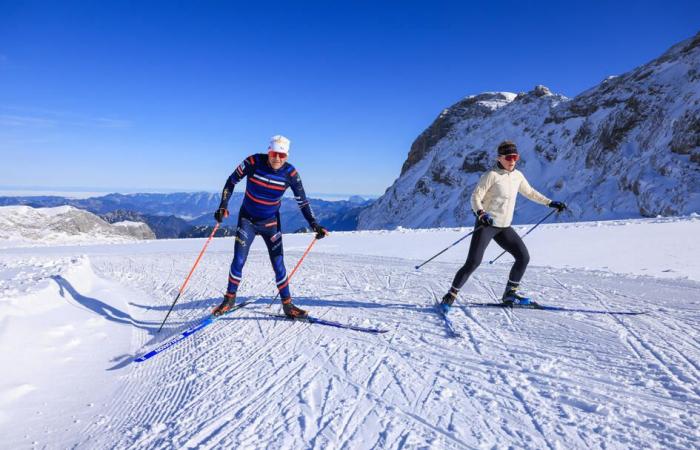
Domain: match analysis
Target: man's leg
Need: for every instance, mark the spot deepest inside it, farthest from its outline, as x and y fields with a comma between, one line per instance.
x=273, y=239
x=245, y=233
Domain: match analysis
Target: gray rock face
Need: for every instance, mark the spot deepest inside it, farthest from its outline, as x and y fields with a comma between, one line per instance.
x=628, y=147
x=477, y=106
x=139, y=230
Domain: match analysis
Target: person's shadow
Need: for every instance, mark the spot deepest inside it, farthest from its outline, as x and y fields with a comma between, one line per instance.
x=99, y=307
x=108, y=312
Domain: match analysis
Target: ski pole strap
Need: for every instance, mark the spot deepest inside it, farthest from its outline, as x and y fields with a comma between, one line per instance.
x=528, y=232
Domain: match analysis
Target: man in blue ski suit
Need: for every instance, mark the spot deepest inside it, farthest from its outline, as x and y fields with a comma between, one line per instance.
x=269, y=175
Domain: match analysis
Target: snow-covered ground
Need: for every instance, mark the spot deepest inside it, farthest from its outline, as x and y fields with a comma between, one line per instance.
x=72, y=318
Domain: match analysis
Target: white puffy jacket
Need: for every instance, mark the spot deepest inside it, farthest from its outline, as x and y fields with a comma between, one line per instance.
x=496, y=193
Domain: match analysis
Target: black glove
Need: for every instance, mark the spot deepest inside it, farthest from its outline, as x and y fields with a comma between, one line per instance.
x=484, y=218
x=220, y=214
x=320, y=231
x=559, y=206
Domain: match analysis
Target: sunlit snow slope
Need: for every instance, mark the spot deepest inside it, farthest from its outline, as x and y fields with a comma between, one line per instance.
x=73, y=318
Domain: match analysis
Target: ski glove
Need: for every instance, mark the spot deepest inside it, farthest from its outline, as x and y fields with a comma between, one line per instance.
x=559, y=206
x=320, y=231
x=220, y=214
x=484, y=218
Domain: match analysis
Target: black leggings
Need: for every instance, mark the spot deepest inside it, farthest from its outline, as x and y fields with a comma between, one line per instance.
x=508, y=239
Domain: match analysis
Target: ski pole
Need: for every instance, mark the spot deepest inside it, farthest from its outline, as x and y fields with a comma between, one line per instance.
x=528, y=232
x=182, y=288
x=448, y=247
x=308, y=249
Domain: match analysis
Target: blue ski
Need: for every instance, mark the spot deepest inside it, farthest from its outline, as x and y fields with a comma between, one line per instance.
x=452, y=331
x=330, y=323
x=185, y=334
x=554, y=308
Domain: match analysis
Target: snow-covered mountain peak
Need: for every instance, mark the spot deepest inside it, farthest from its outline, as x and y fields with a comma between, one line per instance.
x=489, y=100
x=471, y=108
x=628, y=147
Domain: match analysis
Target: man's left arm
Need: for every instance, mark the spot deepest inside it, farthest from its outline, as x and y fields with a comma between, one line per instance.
x=304, y=204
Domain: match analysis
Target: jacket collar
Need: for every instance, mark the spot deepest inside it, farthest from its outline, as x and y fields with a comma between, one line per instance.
x=500, y=169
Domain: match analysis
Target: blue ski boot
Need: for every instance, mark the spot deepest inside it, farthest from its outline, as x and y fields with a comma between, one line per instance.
x=512, y=297
x=446, y=303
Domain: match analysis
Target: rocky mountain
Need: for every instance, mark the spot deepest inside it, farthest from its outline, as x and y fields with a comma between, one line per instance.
x=628, y=147
x=164, y=227
x=64, y=224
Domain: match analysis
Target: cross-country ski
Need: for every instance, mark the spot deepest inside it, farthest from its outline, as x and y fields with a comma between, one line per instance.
x=187, y=333
x=540, y=307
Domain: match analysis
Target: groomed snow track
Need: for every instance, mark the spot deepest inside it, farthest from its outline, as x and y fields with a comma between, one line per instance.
x=520, y=378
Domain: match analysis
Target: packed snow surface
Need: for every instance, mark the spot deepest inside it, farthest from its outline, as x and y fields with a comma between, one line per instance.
x=72, y=319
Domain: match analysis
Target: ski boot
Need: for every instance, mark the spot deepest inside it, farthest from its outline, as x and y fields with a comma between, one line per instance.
x=512, y=297
x=446, y=303
x=292, y=311
x=225, y=306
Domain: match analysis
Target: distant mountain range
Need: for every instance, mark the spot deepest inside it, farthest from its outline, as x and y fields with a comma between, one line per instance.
x=191, y=214
x=628, y=147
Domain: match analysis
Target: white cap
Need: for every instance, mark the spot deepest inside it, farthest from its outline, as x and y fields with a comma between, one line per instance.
x=279, y=143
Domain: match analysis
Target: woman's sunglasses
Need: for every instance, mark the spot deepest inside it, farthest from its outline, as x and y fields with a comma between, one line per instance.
x=512, y=157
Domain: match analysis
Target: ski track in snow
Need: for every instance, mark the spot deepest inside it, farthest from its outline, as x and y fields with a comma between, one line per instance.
x=520, y=378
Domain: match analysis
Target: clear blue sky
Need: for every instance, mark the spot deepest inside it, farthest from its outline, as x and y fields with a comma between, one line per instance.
x=173, y=94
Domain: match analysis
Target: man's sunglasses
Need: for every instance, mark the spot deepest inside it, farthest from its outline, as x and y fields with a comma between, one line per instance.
x=277, y=155
x=512, y=157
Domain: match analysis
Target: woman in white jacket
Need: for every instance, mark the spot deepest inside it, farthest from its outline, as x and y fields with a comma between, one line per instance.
x=493, y=202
